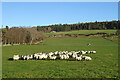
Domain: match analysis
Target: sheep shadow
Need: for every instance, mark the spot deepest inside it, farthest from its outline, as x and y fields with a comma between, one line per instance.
x=10, y=59
x=71, y=60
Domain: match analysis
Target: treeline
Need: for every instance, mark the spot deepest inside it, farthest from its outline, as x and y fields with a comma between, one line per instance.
x=16, y=35
x=22, y=35
x=80, y=26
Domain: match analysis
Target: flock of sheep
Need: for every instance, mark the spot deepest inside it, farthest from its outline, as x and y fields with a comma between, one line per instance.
x=54, y=55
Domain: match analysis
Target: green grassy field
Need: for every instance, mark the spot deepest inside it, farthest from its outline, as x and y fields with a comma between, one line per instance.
x=104, y=63
x=81, y=32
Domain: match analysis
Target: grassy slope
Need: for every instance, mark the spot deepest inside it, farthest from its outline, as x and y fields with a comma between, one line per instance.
x=82, y=32
x=104, y=63
x=113, y=38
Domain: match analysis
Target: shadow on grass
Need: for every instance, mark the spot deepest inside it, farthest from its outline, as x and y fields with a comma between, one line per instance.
x=58, y=59
x=10, y=59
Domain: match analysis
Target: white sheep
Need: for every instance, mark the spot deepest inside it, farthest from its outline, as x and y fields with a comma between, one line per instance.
x=24, y=57
x=61, y=57
x=79, y=57
x=51, y=53
x=86, y=58
x=30, y=56
x=89, y=52
x=53, y=57
x=67, y=56
x=74, y=55
x=83, y=52
x=94, y=51
x=35, y=56
x=45, y=56
x=70, y=53
x=56, y=52
x=16, y=57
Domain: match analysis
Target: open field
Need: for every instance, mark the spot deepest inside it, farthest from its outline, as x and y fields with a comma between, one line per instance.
x=104, y=63
x=81, y=32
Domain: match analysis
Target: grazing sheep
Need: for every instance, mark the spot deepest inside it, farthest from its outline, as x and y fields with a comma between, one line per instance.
x=45, y=56
x=16, y=57
x=70, y=53
x=36, y=56
x=61, y=56
x=30, y=56
x=60, y=53
x=27, y=57
x=94, y=51
x=86, y=58
x=89, y=52
x=24, y=57
x=53, y=57
x=64, y=56
x=83, y=52
x=21, y=57
x=74, y=55
x=79, y=57
x=67, y=56
x=56, y=52
x=51, y=53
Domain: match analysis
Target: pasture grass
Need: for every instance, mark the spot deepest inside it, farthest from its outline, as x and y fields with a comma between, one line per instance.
x=82, y=32
x=104, y=63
